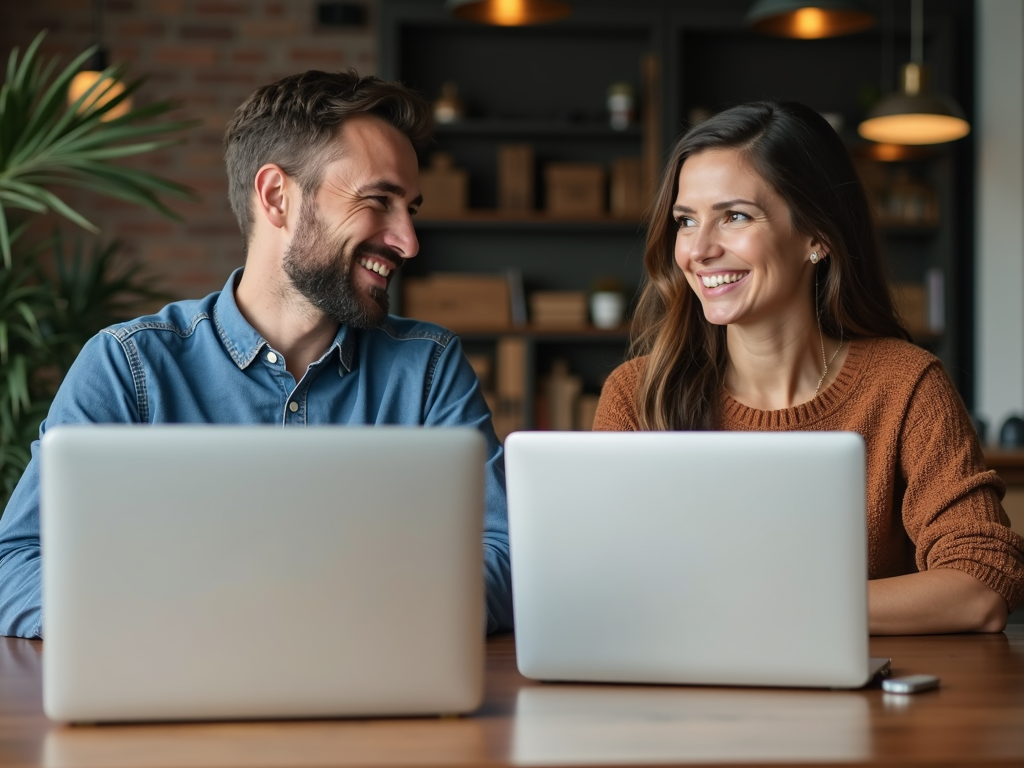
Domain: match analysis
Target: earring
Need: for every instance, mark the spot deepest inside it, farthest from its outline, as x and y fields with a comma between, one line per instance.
x=814, y=257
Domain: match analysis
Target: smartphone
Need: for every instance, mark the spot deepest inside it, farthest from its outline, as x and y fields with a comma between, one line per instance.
x=910, y=684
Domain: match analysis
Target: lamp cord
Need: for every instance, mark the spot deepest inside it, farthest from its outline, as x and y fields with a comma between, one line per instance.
x=97, y=22
x=917, y=31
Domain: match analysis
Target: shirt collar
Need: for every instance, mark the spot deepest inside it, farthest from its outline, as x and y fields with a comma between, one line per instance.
x=243, y=342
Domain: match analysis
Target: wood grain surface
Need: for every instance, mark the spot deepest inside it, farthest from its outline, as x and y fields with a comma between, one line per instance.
x=975, y=718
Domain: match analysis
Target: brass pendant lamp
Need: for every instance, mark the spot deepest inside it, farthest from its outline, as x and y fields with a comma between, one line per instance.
x=809, y=19
x=92, y=72
x=509, y=13
x=914, y=114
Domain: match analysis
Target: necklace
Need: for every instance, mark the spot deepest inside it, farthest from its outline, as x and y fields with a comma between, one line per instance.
x=821, y=340
x=825, y=365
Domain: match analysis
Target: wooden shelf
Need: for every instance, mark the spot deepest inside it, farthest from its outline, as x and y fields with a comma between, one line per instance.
x=908, y=229
x=547, y=334
x=525, y=129
x=1008, y=463
x=540, y=220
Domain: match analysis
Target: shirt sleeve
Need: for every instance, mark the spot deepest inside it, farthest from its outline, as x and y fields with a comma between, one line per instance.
x=616, y=410
x=456, y=399
x=98, y=389
x=951, y=508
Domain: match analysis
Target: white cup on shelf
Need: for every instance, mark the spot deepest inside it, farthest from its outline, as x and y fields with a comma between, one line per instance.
x=607, y=309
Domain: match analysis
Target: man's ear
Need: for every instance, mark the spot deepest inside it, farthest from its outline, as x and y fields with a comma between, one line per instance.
x=274, y=193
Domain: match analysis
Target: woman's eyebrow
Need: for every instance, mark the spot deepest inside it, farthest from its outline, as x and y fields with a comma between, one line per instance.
x=730, y=203
x=717, y=206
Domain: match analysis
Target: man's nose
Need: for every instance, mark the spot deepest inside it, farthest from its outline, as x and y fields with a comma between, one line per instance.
x=401, y=237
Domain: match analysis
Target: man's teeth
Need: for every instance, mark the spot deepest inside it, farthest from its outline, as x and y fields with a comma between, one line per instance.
x=713, y=281
x=375, y=266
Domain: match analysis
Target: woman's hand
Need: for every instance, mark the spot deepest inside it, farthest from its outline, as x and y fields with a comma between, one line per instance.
x=932, y=602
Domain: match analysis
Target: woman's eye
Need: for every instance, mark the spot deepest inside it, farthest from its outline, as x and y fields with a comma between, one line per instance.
x=685, y=221
x=735, y=216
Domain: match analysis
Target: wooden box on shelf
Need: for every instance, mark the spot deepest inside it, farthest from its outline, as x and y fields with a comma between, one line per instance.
x=626, y=187
x=575, y=189
x=458, y=300
x=515, y=177
x=911, y=301
x=558, y=309
x=444, y=187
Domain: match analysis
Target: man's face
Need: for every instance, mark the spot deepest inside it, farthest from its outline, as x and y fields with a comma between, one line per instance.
x=356, y=230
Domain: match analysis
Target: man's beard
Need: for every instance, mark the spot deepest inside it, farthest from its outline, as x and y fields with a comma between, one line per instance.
x=322, y=273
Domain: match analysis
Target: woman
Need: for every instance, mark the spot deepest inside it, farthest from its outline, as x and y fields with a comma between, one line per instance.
x=765, y=308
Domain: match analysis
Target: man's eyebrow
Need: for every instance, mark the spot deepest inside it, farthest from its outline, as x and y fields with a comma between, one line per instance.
x=390, y=188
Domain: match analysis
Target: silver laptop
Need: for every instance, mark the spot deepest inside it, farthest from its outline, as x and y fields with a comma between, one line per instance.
x=213, y=572
x=721, y=558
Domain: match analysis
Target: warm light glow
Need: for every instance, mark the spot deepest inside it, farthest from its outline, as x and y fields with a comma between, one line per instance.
x=810, y=23
x=83, y=81
x=508, y=13
x=914, y=129
x=890, y=153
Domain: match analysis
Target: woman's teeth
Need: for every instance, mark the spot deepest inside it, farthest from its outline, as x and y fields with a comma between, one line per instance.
x=375, y=266
x=713, y=281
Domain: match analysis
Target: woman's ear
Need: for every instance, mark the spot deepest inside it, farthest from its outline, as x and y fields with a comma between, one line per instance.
x=273, y=194
x=817, y=245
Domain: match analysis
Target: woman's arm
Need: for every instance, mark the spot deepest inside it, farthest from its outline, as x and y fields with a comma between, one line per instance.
x=971, y=565
x=932, y=602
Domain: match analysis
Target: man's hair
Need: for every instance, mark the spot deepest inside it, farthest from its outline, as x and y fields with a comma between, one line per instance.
x=293, y=122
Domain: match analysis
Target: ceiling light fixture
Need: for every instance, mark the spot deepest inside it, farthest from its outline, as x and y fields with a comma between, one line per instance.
x=809, y=19
x=94, y=70
x=914, y=114
x=509, y=13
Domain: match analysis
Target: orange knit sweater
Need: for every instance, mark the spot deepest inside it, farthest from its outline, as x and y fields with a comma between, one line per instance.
x=930, y=501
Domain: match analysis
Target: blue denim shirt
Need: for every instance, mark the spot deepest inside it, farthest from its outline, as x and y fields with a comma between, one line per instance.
x=201, y=362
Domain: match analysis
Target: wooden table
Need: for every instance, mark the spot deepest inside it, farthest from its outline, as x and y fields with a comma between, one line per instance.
x=976, y=718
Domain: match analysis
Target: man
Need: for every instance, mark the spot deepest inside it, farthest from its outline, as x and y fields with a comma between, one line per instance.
x=323, y=178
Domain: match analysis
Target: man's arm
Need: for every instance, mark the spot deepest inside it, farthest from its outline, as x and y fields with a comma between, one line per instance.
x=456, y=400
x=98, y=389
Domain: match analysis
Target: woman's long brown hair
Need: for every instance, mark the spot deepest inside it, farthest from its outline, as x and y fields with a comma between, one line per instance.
x=798, y=154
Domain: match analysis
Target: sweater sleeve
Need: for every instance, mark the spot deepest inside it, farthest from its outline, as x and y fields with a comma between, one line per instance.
x=616, y=410
x=951, y=508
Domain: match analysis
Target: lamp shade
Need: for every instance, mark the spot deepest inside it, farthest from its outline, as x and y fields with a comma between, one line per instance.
x=509, y=13
x=91, y=73
x=915, y=115
x=809, y=19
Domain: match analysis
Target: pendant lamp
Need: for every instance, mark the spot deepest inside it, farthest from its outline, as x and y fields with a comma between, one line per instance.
x=809, y=19
x=914, y=114
x=93, y=71
x=509, y=13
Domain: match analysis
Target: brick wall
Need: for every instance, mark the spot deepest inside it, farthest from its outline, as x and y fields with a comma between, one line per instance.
x=208, y=55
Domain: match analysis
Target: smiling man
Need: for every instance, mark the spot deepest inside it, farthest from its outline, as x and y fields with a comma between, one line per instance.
x=323, y=178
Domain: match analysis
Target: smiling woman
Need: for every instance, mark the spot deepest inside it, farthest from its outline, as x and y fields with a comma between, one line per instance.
x=766, y=308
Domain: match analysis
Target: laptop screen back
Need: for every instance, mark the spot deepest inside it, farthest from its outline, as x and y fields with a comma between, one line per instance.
x=714, y=557
x=222, y=572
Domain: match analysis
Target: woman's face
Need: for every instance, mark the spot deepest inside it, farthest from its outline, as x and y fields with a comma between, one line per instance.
x=736, y=243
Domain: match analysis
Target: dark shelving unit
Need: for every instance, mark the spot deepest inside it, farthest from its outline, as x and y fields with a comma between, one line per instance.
x=547, y=86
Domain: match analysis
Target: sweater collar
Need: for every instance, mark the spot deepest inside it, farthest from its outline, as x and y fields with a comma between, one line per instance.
x=735, y=415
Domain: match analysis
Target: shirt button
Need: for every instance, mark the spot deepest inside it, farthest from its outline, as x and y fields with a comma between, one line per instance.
x=271, y=358
x=293, y=406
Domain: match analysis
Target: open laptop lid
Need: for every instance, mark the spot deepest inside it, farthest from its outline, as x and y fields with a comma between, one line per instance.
x=225, y=572
x=734, y=558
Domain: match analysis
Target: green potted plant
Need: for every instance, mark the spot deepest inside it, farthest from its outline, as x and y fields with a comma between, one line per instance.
x=55, y=295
